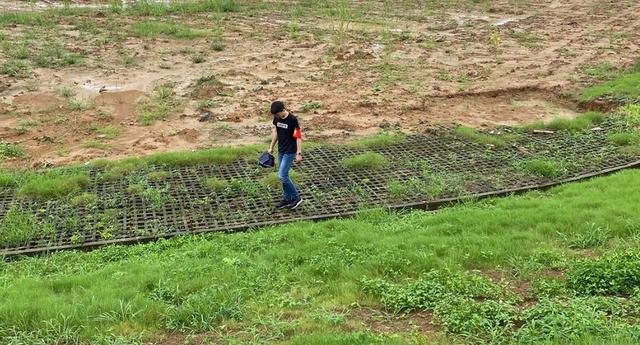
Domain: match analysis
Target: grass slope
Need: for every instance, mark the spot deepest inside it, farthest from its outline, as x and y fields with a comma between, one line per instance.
x=303, y=279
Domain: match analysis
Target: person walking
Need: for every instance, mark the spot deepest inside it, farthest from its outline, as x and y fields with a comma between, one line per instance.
x=287, y=133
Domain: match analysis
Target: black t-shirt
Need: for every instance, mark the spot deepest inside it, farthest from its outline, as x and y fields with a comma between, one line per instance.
x=285, y=128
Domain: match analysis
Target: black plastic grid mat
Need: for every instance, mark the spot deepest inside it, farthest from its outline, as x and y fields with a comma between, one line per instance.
x=428, y=170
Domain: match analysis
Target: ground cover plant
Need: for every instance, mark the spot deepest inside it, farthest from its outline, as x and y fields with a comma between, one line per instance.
x=491, y=272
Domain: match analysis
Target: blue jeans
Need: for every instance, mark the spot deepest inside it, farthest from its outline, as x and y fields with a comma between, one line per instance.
x=289, y=189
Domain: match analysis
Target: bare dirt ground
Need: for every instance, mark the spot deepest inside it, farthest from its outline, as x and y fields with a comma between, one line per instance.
x=403, y=68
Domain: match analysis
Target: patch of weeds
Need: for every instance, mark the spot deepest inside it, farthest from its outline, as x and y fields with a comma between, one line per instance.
x=157, y=198
x=8, y=151
x=198, y=58
x=161, y=104
x=25, y=126
x=7, y=179
x=429, y=45
x=378, y=141
x=56, y=57
x=623, y=139
x=568, y=319
x=67, y=92
x=214, y=184
x=130, y=61
x=109, y=132
x=548, y=287
x=542, y=167
x=218, y=45
x=273, y=181
x=593, y=237
x=79, y=105
x=632, y=150
x=629, y=116
x=136, y=189
x=16, y=68
x=483, y=138
x=470, y=318
x=430, y=289
x=624, y=86
x=84, y=200
x=613, y=273
x=245, y=186
x=94, y=144
x=52, y=186
x=221, y=155
x=601, y=72
x=23, y=18
x=20, y=226
x=158, y=176
x=154, y=29
x=310, y=106
x=364, y=161
x=527, y=39
x=582, y=122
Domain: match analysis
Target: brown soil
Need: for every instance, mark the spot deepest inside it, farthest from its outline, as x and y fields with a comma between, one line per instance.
x=410, y=70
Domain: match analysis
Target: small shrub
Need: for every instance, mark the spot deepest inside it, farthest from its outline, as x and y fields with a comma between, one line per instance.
x=198, y=58
x=218, y=46
x=368, y=160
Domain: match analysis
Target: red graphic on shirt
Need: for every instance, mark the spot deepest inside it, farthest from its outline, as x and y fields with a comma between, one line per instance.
x=297, y=133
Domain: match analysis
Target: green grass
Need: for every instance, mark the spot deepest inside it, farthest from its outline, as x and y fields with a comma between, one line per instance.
x=19, y=226
x=56, y=57
x=214, y=184
x=52, y=186
x=367, y=160
x=582, y=122
x=602, y=72
x=378, y=141
x=159, y=106
x=309, y=106
x=293, y=282
x=152, y=29
x=84, y=200
x=156, y=9
x=16, y=68
x=623, y=85
x=273, y=181
x=482, y=138
x=542, y=167
x=8, y=150
x=109, y=132
x=23, y=18
x=624, y=139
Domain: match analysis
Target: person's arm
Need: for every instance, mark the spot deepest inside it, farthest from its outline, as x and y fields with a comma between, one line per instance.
x=274, y=140
x=297, y=134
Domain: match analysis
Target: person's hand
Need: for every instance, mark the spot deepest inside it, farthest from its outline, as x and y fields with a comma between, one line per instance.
x=298, y=157
x=270, y=150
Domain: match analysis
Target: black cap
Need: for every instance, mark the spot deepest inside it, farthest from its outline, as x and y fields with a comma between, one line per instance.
x=277, y=107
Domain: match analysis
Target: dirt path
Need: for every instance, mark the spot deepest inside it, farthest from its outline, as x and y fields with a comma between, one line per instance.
x=405, y=69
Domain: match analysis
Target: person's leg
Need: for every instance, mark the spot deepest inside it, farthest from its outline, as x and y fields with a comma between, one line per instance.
x=289, y=192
